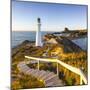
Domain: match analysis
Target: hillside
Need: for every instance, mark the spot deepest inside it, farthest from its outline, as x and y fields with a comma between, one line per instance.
x=64, y=49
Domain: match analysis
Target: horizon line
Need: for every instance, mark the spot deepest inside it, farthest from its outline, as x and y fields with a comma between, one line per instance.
x=51, y=30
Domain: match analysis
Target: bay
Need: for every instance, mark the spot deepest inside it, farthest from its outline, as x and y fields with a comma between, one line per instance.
x=20, y=36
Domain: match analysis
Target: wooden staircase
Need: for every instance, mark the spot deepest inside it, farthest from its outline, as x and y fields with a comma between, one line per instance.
x=50, y=79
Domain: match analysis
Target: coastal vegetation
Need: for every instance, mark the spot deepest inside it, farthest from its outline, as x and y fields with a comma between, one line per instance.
x=24, y=81
x=64, y=50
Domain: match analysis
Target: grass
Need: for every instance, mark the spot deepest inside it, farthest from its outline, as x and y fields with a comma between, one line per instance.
x=25, y=82
x=78, y=60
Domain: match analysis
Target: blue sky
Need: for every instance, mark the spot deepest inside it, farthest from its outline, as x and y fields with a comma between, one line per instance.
x=54, y=17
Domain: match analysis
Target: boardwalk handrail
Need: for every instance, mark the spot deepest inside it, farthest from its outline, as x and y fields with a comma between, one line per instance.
x=69, y=67
x=75, y=70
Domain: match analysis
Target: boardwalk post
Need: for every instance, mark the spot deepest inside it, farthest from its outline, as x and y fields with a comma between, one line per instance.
x=57, y=69
x=81, y=80
x=75, y=70
x=38, y=64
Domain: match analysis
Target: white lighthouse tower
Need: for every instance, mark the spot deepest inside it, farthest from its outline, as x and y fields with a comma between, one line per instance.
x=38, y=33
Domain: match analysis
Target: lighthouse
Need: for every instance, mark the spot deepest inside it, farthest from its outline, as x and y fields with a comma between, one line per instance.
x=38, y=33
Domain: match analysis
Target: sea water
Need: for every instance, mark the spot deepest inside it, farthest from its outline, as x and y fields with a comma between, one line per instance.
x=82, y=42
x=20, y=36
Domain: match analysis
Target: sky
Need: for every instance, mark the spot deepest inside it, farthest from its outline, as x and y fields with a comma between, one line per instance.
x=54, y=17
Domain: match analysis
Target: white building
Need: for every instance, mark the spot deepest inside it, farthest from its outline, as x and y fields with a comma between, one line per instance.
x=38, y=33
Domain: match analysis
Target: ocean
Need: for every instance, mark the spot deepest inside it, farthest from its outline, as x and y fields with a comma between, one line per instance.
x=20, y=36
x=82, y=42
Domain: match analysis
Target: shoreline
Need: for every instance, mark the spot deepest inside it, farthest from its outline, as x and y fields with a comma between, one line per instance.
x=33, y=42
x=73, y=38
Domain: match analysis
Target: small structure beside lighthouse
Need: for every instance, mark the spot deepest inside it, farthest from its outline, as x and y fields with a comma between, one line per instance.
x=38, y=33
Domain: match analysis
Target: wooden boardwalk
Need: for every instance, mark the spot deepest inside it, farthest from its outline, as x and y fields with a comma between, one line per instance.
x=50, y=79
x=78, y=71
